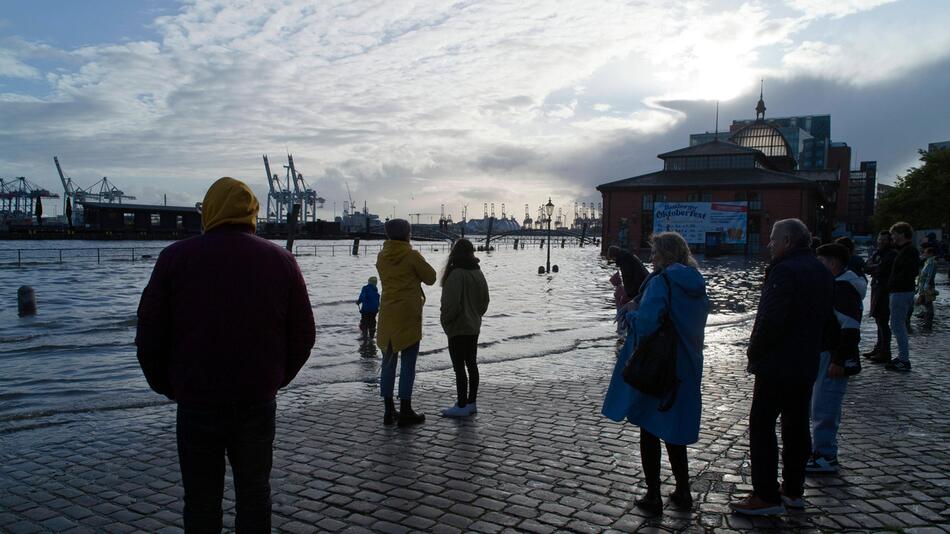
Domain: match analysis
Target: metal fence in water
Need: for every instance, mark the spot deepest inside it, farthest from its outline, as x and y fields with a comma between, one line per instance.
x=98, y=255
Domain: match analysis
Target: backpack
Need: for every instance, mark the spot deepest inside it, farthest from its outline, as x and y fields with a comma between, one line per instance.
x=652, y=368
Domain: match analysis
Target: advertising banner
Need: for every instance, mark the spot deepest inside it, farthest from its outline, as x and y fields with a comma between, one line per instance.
x=694, y=219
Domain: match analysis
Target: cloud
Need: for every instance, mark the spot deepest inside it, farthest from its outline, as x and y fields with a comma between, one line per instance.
x=420, y=104
x=836, y=9
x=12, y=67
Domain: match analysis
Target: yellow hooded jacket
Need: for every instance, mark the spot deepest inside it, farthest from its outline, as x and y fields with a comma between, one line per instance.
x=229, y=201
x=401, y=271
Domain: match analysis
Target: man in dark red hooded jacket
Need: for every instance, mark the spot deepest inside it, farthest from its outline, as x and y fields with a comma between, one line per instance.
x=224, y=322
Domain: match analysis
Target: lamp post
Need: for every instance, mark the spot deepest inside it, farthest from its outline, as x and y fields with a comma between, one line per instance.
x=549, y=209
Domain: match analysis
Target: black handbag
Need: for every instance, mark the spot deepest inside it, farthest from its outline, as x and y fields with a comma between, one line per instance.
x=652, y=368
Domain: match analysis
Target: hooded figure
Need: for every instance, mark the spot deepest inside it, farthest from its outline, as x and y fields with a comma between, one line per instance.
x=401, y=271
x=224, y=322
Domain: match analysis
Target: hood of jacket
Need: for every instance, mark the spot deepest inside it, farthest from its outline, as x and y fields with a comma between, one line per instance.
x=229, y=201
x=859, y=283
x=688, y=279
x=394, y=251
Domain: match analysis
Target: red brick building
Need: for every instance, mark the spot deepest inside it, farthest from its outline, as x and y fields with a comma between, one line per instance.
x=752, y=167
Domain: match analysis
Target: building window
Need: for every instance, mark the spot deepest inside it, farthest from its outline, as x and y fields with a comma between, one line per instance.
x=755, y=201
x=661, y=197
x=675, y=164
x=692, y=197
x=128, y=219
x=179, y=222
x=156, y=219
x=706, y=196
x=740, y=196
x=647, y=204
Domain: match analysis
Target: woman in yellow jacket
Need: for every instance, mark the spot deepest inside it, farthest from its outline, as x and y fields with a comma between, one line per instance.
x=401, y=272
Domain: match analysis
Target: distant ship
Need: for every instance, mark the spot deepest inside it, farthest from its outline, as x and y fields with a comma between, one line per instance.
x=354, y=221
x=501, y=225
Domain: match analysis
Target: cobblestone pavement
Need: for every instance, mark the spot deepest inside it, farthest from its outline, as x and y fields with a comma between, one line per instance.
x=537, y=458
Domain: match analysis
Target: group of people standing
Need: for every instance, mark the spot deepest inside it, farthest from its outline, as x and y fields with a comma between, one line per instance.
x=225, y=322
x=403, y=271
x=900, y=278
x=802, y=349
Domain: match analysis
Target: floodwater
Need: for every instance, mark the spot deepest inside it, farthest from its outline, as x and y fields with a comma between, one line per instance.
x=78, y=352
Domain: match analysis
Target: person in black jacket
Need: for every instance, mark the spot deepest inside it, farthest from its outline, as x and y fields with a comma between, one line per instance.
x=856, y=263
x=632, y=270
x=902, y=284
x=879, y=267
x=840, y=361
x=787, y=337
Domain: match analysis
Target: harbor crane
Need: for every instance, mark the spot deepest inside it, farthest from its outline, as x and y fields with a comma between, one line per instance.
x=527, y=217
x=101, y=191
x=19, y=196
x=282, y=195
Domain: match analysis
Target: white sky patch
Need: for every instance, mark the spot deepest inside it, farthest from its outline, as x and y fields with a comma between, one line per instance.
x=12, y=67
x=601, y=107
x=835, y=8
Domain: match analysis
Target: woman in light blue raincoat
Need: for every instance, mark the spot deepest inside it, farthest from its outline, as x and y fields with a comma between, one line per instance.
x=686, y=302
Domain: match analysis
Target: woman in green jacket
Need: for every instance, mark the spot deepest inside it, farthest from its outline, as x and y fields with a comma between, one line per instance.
x=464, y=302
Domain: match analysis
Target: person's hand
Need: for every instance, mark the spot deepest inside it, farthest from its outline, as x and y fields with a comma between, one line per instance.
x=630, y=306
x=835, y=370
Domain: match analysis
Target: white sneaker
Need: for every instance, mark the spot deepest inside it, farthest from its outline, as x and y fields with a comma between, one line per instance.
x=456, y=411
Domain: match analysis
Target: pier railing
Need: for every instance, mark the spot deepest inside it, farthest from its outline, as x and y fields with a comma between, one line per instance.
x=102, y=255
x=97, y=255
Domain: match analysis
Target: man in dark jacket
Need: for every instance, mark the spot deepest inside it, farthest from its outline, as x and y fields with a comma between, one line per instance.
x=631, y=268
x=794, y=311
x=224, y=322
x=879, y=267
x=902, y=284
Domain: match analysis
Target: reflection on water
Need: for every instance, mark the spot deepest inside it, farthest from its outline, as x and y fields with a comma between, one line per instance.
x=78, y=353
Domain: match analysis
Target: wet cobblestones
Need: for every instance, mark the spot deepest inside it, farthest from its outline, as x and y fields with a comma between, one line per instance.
x=537, y=458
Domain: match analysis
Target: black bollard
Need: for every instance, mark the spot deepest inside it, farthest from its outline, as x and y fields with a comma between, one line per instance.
x=356, y=247
x=563, y=241
x=542, y=243
x=554, y=268
x=516, y=243
x=26, y=301
x=541, y=269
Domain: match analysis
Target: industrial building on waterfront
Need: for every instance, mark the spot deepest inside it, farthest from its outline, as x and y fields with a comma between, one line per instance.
x=726, y=189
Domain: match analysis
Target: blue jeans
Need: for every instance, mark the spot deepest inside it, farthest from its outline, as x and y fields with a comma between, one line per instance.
x=407, y=372
x=245, y=434
x=901, y=306
x=826, y=399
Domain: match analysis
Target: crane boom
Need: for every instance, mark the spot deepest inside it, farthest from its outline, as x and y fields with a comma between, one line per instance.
x=67, y=183
x=352, y=204
x=270, y=177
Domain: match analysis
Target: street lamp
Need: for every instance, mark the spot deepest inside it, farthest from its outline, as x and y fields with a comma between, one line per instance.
x=549, y=209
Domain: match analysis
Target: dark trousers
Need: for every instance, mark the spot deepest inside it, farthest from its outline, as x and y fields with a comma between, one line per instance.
x=650, y=460
x=245, y=433
x=462, y=350
x=883, y=333
x=770, y=399
x=368, y=323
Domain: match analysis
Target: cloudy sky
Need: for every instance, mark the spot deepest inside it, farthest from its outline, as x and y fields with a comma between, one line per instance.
x=421, y=103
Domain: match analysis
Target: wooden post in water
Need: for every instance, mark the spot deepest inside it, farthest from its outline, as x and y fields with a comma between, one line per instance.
x=491, y=224
x=26, y=301
x=292, y=226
